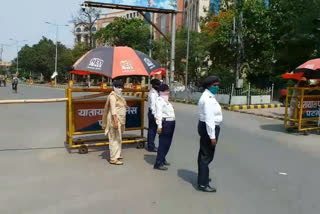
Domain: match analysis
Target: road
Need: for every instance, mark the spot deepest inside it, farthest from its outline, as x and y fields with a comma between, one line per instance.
x=258, y=167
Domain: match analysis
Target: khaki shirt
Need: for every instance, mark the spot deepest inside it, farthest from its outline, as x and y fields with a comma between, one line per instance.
x=118, y=107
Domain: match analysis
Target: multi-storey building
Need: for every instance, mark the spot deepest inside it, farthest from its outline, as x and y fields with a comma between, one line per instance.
x=81, y=32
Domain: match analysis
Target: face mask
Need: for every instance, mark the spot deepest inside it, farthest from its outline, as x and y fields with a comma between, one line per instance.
x=117, y=90
x=165, y=95
x=214, y=89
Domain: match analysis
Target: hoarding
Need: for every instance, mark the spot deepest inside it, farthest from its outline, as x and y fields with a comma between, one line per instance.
x=88, y=116
x=215, y=6
x=159, y=4
x=311, y=107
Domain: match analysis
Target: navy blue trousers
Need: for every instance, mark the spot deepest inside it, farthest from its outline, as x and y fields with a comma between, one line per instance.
x=152, y=130
x=206, y=153
x=165, y=140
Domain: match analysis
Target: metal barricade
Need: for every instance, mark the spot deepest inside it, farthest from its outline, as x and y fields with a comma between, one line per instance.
x=84, y=115
x=302, y=109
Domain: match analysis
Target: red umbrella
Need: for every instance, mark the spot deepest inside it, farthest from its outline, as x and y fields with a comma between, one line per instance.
x=115, y=62
x=313, y=64
x=310, y=70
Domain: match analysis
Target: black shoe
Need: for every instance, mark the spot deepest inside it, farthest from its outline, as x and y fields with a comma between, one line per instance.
x=163, y=168
x=166, y=163
x=207, y=189
x=153, y=150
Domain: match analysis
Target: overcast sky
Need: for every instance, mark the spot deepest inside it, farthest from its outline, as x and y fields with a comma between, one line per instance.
x=25, y=20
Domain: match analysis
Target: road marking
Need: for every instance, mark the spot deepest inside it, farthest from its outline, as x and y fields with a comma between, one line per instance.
x=282, y=173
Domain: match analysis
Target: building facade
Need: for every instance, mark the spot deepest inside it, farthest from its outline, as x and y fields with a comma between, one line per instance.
x=81, y=32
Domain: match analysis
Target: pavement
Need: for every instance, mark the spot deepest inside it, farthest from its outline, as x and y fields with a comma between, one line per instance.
x=258, y=168
x=275, y=113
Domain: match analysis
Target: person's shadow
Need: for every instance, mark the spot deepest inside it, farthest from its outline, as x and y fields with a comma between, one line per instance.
x=150, y=159
x=189, y=176
x=105, y=155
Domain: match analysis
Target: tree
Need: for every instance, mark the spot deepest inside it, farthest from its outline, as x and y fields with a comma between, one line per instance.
x=133, y=33
x=87, y=17
x=40, y=58
x=217, y=32
x=258, y=46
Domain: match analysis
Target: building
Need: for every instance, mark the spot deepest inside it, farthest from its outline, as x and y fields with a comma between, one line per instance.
x=81, y=32
x=5, y=64
x=196, y=8
x=163, y=21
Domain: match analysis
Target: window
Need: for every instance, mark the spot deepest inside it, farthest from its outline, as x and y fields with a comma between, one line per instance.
x=127, y=16
x=94, y=29
x=78, y=30
x=78, y=38
x=130, y=15
x=86, y=39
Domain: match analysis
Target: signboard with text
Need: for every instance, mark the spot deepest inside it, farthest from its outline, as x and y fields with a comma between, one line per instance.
x=310, y=108
x=159, y=4
x=88, y=116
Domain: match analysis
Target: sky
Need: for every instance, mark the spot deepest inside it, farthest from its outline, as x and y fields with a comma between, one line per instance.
x=25, y=20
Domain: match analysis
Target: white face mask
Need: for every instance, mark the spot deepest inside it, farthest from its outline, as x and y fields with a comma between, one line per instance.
x=117, y=90
x=165, y=95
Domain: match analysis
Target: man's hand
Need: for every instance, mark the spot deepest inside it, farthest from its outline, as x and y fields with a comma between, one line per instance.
x=213, y=142
x=115, y=125
x=159, y=130
x=115, y=122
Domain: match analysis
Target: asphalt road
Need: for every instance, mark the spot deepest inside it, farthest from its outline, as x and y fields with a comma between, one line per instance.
x=258, y=167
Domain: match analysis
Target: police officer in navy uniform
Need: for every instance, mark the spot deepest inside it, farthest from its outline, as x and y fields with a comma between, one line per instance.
x=152, y=130
x=210, y=118
x=165, y=119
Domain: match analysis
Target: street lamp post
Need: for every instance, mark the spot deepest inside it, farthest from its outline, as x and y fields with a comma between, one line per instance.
x=17, y=43
x=188, y=41
x=56, y=58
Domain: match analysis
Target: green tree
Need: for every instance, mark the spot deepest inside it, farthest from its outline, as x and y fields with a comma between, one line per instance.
x=133, y=33
x=217, y=32
x=40, y=58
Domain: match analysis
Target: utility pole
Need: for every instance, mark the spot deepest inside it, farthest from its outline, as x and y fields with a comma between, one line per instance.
x=56, y=57
x=316, y=30
x=17, y=44
x=1, y=51
x=150, y=48
x=188, y=42
x=173, y=46
x=238, y=39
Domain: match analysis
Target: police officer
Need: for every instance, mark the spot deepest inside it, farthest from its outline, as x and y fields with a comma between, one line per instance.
x=113, y=121
x=210, y=118
x=165, y=119
x=152, y=131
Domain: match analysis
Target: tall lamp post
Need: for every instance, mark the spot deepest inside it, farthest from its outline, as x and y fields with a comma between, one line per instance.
x=17, y=43
x=56, y=58
x=188, y=8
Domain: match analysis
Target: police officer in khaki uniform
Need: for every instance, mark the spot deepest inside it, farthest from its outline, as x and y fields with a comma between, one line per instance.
x=113, y=121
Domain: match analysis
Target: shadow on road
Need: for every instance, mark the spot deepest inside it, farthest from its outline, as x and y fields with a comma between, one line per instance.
x=150, y=159
x=188, y=176
x=105, y=155
x=274, y=127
